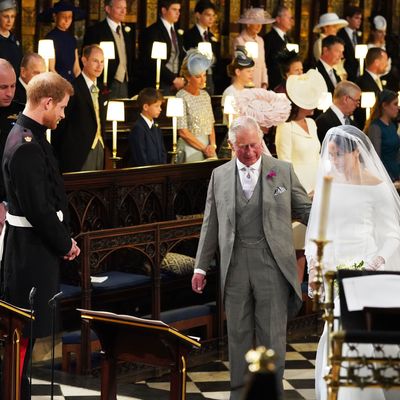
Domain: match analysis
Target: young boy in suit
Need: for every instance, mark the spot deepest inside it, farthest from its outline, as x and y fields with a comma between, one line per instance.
x=146, y=145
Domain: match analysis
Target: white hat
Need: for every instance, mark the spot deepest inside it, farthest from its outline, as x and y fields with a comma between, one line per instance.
x=197, y=63
x=305, y=90
x=7, y=4
x=329, y=19
x=380, y=23
x=256, y=16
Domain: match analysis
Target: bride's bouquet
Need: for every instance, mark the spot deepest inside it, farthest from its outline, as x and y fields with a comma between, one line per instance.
x=359, y=266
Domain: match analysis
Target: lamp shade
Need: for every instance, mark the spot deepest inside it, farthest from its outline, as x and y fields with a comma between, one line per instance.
x=361, y=51
x=325, y=101
x=108, y=50
x=115, y=111
x=252, y=49
x=367, y=99
x=229, y=105
x=292, y=47
x=159, y=50
x=206, y=49
x=46, y=49
x=175, y=107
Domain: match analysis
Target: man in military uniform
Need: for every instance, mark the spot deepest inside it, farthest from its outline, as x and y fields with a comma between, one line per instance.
x=37, y=237
x=9, y=110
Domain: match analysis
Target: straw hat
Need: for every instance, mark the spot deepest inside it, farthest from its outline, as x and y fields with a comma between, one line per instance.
x=305, y=90
x=256, y=16
x=329, y=19
x=7, y=4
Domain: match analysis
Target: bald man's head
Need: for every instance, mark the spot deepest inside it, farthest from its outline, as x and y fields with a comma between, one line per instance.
x=8, y=82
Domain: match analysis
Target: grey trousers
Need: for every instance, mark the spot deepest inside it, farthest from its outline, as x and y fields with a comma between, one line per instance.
x=95, y=159
x=256, y=298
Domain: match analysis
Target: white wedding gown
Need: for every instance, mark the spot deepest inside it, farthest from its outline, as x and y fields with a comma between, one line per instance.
x=360, y=230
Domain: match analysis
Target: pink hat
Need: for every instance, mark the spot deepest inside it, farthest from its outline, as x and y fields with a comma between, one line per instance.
x=256, y=16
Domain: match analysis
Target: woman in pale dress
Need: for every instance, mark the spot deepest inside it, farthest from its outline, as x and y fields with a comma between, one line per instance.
x=196, y=127
x=254, y=19
x=296, y=141
x=363, y=225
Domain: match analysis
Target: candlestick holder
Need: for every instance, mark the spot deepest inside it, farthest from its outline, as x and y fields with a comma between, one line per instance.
x=174, y=154
x=319, y=278
x=115, y=160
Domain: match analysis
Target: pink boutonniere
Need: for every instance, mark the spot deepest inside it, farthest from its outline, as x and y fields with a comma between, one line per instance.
x=271, y=174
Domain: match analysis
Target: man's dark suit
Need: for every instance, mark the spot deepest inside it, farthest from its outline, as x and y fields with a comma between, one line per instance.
x=367, y=84
x=273, y=44
x=78, y=130
x=146, y=146
x=321, y=69
x=102, y=32
x=157, y=32
x=20, y=93
x=191, y=39
x=351, y=64
x=325, y=121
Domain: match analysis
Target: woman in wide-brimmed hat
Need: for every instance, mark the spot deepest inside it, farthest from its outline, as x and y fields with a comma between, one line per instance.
x=254, y=19
x=66, y=61
x=297, y=141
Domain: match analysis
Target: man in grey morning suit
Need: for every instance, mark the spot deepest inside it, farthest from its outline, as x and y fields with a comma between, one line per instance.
x=248, y=217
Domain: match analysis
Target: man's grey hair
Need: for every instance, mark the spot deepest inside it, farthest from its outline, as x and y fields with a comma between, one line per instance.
x=243, y=123
x=346, y=88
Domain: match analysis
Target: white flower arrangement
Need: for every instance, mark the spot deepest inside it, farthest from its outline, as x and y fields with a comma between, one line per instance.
x=357, y=266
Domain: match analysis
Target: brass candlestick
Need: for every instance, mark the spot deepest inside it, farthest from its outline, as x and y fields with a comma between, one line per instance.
x=174, y=154
x=318, y=279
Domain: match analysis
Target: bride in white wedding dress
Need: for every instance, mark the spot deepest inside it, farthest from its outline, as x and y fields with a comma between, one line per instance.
x=363, y=225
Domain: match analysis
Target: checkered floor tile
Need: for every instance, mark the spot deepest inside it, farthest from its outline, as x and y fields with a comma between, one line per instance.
x=209, y=381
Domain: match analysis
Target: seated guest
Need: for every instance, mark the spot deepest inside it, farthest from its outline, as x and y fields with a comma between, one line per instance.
x=81, y=133
x=332, y=53
x=289, y=64
x=254, y=19
x=383, y=131
x=66, y=61
x=10, y=47
x=204, y=12
x=351, y=38
x=146, y=143
x=196, y=127
x=346, y=98
x=32, y=64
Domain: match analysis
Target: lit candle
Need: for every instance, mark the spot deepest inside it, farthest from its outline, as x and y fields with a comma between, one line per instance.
x=174, y=130
x=114, y=139
x=105, y=71
x=324, y=210
x=158, y=73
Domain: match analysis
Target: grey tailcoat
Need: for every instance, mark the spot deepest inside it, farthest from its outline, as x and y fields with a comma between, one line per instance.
x=279, y=207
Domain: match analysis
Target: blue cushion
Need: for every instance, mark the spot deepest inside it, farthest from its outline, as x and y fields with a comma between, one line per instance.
x=75, y=337
x=185, y=313
x=69, y=291
x=120, y=280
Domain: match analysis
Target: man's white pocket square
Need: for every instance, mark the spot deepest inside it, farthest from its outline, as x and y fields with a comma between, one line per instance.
x=279, y=190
